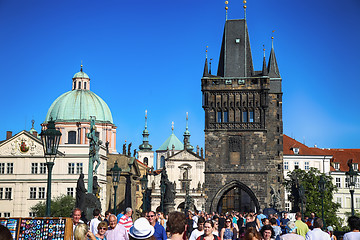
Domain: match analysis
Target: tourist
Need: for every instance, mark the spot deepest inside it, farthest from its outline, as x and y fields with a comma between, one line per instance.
x=228, y=232
x=102, y=228
x=252, y=234
x=107, y=215
x=176, y=225
x=302, y=228
x=331, y=233
x=160, y=233
x=199, y=231
x=76, y=215
x=208, y=229
x=126, y=219
x=283, y=222
x=216, y=228
x=82, y=232
x=354, y=224
x=95, y=221
x=5, y=233
x=276, y=228
x=265, y=221
x=291, y=232
x=195, y=219
x=161, y=219
x=251, y=222
x=142, y=230
x=317, y=233
x=267, y=232
x=116, y=231
x=261, y=216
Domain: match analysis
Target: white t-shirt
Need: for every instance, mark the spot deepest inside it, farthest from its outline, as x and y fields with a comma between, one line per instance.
x=195, y=234
x=94, y=225
x=352, y=236
x=195, y=221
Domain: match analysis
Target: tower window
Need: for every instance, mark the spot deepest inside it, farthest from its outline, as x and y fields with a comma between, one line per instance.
x=251, y=116
x=84, y=85
x=162, y=161
x=72, y=137
x=74, y=85
x=219, y=117
x=226, y=116
x=244, y=116
x=146, y=161
x=79, y=85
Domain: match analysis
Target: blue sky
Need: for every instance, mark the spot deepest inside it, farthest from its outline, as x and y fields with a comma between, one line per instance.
x=150, y=55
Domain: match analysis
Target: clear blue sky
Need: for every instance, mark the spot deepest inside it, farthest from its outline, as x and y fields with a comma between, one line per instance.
x=150, y=55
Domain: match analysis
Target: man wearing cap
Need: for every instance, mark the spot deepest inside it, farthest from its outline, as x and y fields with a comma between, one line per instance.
x=291, y=232
x=141, y=229
x=317, y=233
x=160, y=233
x=116, y=231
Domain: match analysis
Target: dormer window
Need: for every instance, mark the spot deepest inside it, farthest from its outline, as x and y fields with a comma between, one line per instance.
x=296, y=150
x=355, y=166
x=337, y=166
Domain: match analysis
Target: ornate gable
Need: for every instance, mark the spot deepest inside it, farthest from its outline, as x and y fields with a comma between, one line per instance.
x=185, y=156
x=22, y=144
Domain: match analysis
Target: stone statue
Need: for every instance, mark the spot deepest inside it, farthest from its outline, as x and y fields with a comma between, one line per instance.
x=80, y=193
x=169, y=193
x=275, y=199
x=129, y=149
x=295, y=192
x=95, y=144
x=96, y=187
x=124, y=148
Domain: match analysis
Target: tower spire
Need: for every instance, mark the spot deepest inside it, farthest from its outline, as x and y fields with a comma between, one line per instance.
x=206, y=69
x=273, y=69
x=187, y=135
x=264, y=69
x=145, y=146
x=244, y=9
x=81, y=66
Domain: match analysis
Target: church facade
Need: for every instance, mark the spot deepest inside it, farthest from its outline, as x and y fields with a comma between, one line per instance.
x=243, y=127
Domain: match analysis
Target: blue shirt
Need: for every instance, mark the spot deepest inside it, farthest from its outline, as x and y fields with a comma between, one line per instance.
x=160, y=233
x=119, y=216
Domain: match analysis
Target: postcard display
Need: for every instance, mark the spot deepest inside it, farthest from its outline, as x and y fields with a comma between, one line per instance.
x=39, y=228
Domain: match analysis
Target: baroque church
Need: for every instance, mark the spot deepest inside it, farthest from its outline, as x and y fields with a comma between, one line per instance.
x=243, y=126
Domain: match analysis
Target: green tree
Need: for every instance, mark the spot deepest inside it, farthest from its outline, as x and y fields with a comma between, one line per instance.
x=61, y=206
x=309, y=180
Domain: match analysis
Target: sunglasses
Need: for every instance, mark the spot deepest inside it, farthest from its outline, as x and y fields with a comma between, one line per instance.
x=151, y=215
x=103, y=228
x=228, y=221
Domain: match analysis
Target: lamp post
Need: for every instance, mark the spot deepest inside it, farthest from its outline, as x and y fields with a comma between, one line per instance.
x=322, y=186
x=144, y=183
x=50, y=139
x=115, y=172
x=351, y=176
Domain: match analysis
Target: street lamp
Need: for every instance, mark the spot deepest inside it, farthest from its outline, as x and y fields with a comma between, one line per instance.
x=115, y=171
x=322, y=186
x=351, y=179
x=144, y=183
x=50, y=139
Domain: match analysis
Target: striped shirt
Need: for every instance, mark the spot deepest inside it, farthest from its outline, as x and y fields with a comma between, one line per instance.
x=126, y=222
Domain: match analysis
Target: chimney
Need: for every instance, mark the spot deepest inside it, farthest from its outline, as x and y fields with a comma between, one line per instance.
x=8, y=134
x=35, y=133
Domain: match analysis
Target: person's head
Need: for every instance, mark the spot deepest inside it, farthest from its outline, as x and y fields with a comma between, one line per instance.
x=265, y=221
x=102, y=228
x=285, y=215
x=201, y=222
x=176, y=223
x=330, y=229
x=112, y=221
x=252, y=234
x=208, y=227
x=298, y=216
x=273, y=221
x=312, y=215
x=354, y=223
x=76, y=215
x=96, y=212
x=291, y=227
x=107, y=214
x=228, y=222
x=151, y=217
x=275, y=216
x=318, y=223
x=5, y=233
x=267, y=232
x=81, y=231
x=141, y=230
x=128, y=211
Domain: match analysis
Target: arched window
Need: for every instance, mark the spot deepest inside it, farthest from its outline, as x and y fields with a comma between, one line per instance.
x=72, y=137
x=84, y=85
x=146, y=161
x=74, y=85
x=79, y=85
x=162, y=161
x=226, y=116
x=219, y=116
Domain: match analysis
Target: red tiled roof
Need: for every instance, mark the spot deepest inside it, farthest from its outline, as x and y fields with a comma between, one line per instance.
x=289, y=144
x=143, y=164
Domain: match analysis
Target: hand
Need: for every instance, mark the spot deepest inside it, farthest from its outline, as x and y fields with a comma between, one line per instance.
x=90, y=235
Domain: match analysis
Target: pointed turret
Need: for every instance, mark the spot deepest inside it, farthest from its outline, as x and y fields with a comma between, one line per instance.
x=145, y=146
x=187, y=135
x=206, y=69
x=273, y=68
x=264, y=68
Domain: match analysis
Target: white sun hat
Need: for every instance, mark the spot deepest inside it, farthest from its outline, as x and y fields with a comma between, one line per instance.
x=141, y=229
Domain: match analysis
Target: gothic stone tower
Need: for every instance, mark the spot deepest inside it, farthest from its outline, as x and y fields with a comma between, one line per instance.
x=243, y=127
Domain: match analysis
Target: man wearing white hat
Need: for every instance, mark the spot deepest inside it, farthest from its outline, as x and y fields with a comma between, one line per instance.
x=141, y=230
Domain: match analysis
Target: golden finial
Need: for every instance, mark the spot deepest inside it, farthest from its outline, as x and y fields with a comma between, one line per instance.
x=145, y=113
x=244, y=9
x=172, y=126
x=272, y=39
x=206, y=51
x=264, y=49
x=81, y=66
x=226, y=9
x=187, y=115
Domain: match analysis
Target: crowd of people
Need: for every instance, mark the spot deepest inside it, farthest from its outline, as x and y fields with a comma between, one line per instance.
x=205, y=226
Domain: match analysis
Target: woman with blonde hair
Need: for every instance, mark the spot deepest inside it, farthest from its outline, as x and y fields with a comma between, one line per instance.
x=82, y=232
x=102, y=228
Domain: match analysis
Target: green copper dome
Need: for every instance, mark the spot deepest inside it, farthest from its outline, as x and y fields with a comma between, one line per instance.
x=78, y=106
x=172, y=140
x=81, y=74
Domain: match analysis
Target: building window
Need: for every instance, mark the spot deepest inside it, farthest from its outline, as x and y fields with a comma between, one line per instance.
x=70, y=191
x=338, y=200
x=72, y=137
x=287, y=206
x=8, y=192
x=32, y=214
x=226, y=116
x=34, y=168
x=307, y=165
x=244, y=116
x=33, y=193
x=79, y=168
x=251, y=116
x=296, y=165
x=84, y=85
x=219, y=117
x=79, y=85
x=2, y=168
x=355, y=166
x=6, y=214
x=41, y=193
x=338, y=182
x=336, y=166
x=346, y=182
x=286, y=165
x=10, y=168
x=357, y=203
x=1, y=193
x=162, y=161
x=146, y=161
x=42, y=168
x=71, y=168
x=357, y=182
